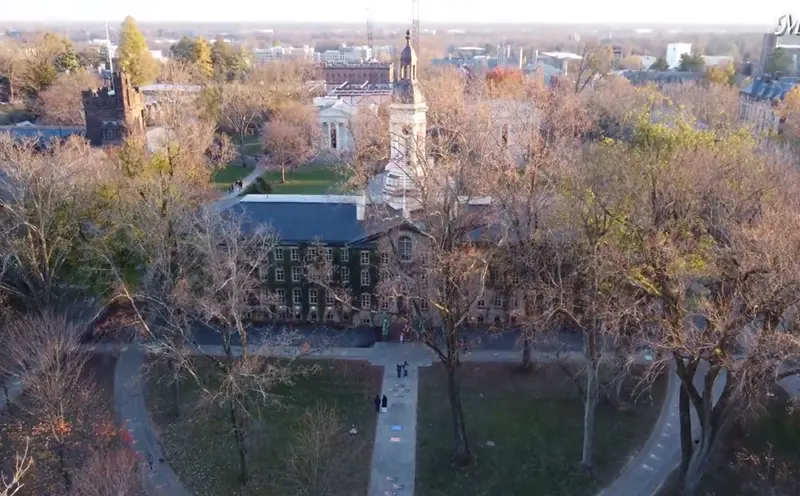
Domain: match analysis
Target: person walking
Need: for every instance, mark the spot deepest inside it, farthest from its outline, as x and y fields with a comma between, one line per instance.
x=377, y=403
x=399, y=371
x=405, y=369
x=402, y=337
x=384, y=404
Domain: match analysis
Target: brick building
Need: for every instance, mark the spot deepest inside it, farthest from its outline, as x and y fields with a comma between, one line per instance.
x=112, y=113
x=370, y=72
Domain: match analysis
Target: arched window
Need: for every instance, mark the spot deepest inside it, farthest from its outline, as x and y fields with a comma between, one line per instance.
x=405, y=249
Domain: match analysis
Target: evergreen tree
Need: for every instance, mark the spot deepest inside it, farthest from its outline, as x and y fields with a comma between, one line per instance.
x=691, y=62
x=660, y=64
x=134, y=57
x=202, y=57
x=183, y=50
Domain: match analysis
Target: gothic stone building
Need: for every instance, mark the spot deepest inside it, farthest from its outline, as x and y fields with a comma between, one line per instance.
x=112, y=113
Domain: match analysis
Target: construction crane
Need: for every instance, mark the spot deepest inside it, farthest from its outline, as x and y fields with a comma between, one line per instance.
x=369, y=33
x=415, y=25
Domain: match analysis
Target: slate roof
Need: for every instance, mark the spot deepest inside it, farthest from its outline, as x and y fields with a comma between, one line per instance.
x=296, y=222
x=42, y=133
x=769, y=89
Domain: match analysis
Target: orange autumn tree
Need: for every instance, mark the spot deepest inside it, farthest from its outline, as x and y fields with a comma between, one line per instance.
x=500, y=80
x=790, y=113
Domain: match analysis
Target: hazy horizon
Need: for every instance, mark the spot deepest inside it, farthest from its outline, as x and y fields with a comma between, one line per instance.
x=442, y=12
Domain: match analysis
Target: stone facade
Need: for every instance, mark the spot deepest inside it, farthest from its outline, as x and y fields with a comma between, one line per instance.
x=373, y=73
x=113, y=113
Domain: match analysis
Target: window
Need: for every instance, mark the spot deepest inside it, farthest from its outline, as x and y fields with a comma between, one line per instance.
x=345, y=275
x=366, y=321
x=295, y=254
x=311, y=252
x=313, y=297
x=365, y=277
x=514, y=303
x=280, y=276
x=481, y=303
x=278, y=254
x=345, y=255
x=515, y=279
x=297, y=296
x=498, y=301
x=328, y=315
x=263, y=272
x=366, y=301
x=385, y=304
x=364, y=258
x=480, y=319
x=329, y=299
x=424, y=304
x=405, y=248
x=385, y=258
x=329, y=254
x=296, y=273
x=280, y=295
x=313, y=316
x=297, y=314
x=333, y=137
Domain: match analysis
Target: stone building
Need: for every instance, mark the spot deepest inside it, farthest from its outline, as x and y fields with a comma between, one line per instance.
x=113, y=112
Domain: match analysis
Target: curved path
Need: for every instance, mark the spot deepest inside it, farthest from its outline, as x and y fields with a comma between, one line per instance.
x=132, y=414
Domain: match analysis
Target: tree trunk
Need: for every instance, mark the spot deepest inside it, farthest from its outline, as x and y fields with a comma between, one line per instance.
x=238, y=435
x=176, y=390
x=241, y=147
x=526, y=353
x=462, y=456
x=589, y=410
x=283, y=174
x=62, y=465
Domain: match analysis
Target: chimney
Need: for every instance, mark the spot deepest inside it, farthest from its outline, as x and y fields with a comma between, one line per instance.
x=361, y=206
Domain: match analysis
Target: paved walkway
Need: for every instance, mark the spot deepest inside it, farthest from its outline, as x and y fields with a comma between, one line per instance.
x=394, y=455
x=232, y=198
x=132, y=413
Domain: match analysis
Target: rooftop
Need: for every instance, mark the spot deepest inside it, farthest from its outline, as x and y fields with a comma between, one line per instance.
x=42, y=133
x=303, y=218
x=769, y=89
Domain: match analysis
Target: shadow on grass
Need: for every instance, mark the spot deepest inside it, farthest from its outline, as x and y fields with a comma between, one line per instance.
x=526, y=432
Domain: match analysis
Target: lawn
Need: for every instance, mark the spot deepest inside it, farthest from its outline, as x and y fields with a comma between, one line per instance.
x=305, y=181
x=253, y=145
x=223, y=178
x=201, y=450
x=526, y=432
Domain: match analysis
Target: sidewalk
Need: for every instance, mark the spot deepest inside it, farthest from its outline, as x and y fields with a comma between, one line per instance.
x=232, y=198
x=133, y=415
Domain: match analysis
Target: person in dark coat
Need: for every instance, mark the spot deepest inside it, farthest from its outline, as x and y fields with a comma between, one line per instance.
x=405, y=369
x=384, y=403
x=377, y=402
x=399, y=370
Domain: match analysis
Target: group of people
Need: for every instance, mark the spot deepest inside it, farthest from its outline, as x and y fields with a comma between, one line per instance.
x=236, y=186
x=402, y=369
x=381, y=404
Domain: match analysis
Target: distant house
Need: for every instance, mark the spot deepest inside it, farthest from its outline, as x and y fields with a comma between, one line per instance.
x=760, y=99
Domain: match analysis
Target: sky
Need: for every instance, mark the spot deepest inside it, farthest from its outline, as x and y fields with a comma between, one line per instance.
x=764, y=12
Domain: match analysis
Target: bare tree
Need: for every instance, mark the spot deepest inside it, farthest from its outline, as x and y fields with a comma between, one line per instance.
x=61, y=103
x=11, y=484
x=596, y=63
x=46, y=350
x=315, y=465
x=46, y=199
x=292, y=137
x=109, y=473
x=14, y=67
x=242, y=108
x=714, y=106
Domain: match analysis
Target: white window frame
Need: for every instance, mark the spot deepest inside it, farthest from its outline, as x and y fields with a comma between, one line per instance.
x=345, y=255
x=313, y=297
x=366, y=301
x=280, y=295
x=297, y=274
x=280, y=274
x=329, y=299
x=384, y=258
x=385, y=304
x=329, y=255
x=278, y=254
x=365, y=279
x=345, y=275
x=401, y=241
x=481, y=303
x=297, y=296
x=515, y=278
x=294, y=253
x=364, y=257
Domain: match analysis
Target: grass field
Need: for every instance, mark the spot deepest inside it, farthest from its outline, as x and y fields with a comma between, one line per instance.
x=200, y=448
x=314, y=180
x=526, y=432
x=223, y=178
